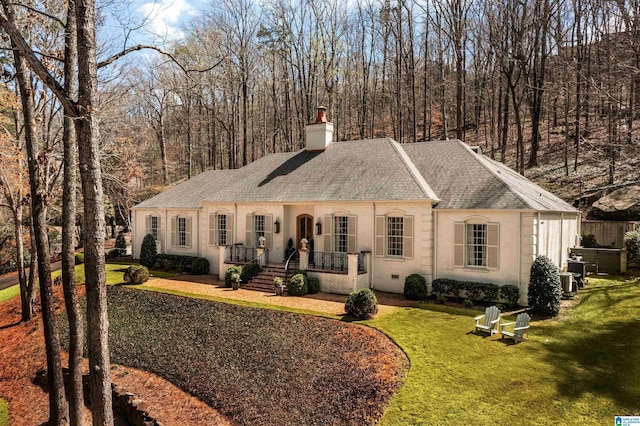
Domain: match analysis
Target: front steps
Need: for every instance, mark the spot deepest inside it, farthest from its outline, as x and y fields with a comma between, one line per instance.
x=264, y=280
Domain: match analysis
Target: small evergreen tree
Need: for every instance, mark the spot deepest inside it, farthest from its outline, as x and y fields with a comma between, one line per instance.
x=121, y=245
x=148, y=251
x=632, y=244
x=545, y=290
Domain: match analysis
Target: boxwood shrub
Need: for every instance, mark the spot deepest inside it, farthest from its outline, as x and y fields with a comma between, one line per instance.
x=475, y=291
x=174, y=262
x=148, y=251
x=313, y=284
x=231, y=270
x=509, y=295
x=249, y=271
x=298, y=285
x=136, y=274
x=361, y=304
x=200, y=266
x=415, y=287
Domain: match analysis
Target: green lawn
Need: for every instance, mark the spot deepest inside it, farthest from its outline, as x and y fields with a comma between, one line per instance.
x=581, y=369
x=4, y=413
x=114, y=273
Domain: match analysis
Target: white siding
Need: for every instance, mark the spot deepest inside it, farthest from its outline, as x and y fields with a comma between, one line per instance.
x=557, y=233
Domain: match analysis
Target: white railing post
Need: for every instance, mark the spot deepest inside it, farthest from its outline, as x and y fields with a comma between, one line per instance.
x=222, y=270
x=352, y=270
x=259, y=254
x=304, y=258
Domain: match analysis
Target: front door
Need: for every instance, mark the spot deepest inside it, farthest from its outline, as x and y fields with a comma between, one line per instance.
x=305, y=228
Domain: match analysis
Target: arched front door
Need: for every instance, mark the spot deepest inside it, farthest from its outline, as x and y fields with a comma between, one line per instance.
x=304, y=228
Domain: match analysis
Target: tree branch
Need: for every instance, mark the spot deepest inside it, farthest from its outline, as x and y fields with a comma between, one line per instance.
x=40, y=12
x=131, y=49
x=30, y=56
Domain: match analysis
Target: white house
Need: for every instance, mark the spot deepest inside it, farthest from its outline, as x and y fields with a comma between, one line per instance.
x=374, y=211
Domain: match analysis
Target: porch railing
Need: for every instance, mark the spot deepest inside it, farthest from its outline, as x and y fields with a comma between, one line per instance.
x=362, y=266
x=330, y=261
x=240, y=254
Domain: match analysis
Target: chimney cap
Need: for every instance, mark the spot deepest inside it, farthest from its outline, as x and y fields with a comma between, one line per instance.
x=321, y=117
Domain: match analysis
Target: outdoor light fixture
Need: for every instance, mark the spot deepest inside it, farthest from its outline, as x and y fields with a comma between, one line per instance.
x=276, y=226
x=318, y=227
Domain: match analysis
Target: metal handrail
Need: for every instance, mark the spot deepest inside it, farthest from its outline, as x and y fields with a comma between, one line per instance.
x=330, y=261
x=286, y=265
x=264, y=255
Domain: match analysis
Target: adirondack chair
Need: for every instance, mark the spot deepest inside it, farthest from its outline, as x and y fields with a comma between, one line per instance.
x=489, y=321
x=520, y=328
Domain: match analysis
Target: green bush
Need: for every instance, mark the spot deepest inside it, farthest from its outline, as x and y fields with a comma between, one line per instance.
x=175, y=262
x=415, y=287
x=589, y=241
x=148, y=251
x=313, y=284
x=361, y=304
x=545, y=290
x=298, y=285
x=479, y=292
x=113, y=253
x=235, y=269
x=509, y=294
x=441, y=299
x=249, y=271
x=79, y=258
x=632, y=244
x=121, y=245
x=136, y=274
x=200, y=266
x=467, y=304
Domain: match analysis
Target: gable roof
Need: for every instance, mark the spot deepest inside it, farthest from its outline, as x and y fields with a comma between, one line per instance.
x=446, y=172
x=466, y=180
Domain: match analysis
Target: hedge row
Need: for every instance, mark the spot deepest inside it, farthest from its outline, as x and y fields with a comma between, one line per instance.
x=197, y=265
x=480, y=292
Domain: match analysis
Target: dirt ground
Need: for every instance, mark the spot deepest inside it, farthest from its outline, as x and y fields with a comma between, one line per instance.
x=22, y=354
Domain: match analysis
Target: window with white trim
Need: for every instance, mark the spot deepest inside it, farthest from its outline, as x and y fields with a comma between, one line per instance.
x=182, y=231
x=154, y=227
x=258, y=226
x=221, y=229
x=340, y=234
x=395, y=236
x=476, y=244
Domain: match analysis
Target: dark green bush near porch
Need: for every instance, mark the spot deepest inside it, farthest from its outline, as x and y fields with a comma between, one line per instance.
x=79, y=258
x=200, y=266
x=478, y=292
x=230, y=271
x=415, y=287
x=136, y=274
x=509, y=295
x=298, y=285
x=545, y=290
x=361, y=304
x=249, y=271
x=148, y=251
x=175, y=262
x=313, y=284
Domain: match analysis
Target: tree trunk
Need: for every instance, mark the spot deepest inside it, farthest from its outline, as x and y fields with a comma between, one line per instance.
x=74, y=315
x=87, y=132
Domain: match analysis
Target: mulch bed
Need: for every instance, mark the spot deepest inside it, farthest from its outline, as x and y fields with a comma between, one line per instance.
x=257, y=366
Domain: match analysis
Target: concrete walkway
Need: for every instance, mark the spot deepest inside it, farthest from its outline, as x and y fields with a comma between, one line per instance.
x=333, y=304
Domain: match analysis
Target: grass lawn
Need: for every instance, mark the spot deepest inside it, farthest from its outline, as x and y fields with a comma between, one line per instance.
x=4, y=413
x=114, y=273
x=583, y=368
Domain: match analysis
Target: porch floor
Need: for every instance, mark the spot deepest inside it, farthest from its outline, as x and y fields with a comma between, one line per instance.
x=323, y=303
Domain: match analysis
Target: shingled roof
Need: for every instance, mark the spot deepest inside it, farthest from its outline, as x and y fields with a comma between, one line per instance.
x=446, y=172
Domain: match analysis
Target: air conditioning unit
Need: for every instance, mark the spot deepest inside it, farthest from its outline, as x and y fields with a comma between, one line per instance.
x=566, y=279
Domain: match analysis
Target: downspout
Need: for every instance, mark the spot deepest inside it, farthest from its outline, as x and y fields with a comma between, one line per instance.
x=434, y=245
x=538, y=234
x=235, y=224
x=561, y=239
x=198, y=228
x=167, y=234
x=373, y=246
x=519, y=250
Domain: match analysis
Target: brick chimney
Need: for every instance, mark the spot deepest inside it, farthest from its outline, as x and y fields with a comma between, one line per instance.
x=319, y=134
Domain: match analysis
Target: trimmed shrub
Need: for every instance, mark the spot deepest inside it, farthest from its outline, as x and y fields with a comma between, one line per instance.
x=121, y=245
x=632, y=244
x=235, y=269
x=176, y=262
x=298, y=285
x=79, y=258
x=509, y=295
x=415, y=287
x=441, y=299
x=361, y=304
x=200, y=266
x=313, y=284
x=113, y=253
x=545, y=290
x=148, y=251
x=249, y=271
x=467, y=304
x=479, y=292
x=136, y=274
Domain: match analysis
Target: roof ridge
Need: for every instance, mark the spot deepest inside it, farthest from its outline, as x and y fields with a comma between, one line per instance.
x=493, y=173
x=413, y=171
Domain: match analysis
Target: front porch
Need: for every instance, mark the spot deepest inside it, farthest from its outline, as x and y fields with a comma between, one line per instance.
x=339, y=273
